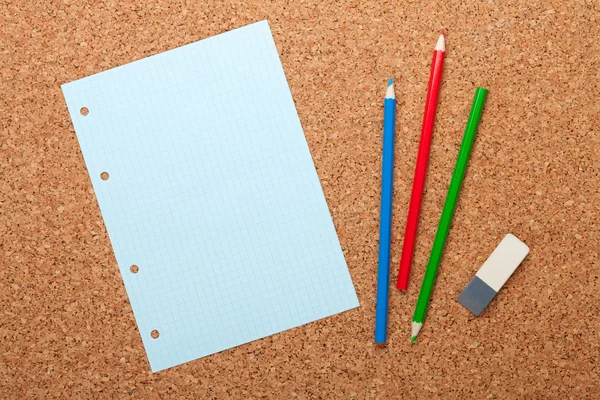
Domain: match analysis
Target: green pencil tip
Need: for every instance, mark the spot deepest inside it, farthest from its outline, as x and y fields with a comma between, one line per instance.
x=412, y=339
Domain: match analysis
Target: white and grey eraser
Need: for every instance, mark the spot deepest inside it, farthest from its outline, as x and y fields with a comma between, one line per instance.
x=492, y=275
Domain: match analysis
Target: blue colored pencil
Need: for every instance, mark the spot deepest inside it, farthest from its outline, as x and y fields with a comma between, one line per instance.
x=385, y=225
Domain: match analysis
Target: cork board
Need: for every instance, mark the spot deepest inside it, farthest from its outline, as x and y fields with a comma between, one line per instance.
x=66, y=324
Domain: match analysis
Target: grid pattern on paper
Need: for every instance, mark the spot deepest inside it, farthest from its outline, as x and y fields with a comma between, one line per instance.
x=212, y=192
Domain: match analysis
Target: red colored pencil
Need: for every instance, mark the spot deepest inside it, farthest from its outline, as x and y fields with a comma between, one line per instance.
x=422, y=159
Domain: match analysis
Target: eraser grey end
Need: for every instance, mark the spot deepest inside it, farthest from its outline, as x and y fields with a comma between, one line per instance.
x=476, y=296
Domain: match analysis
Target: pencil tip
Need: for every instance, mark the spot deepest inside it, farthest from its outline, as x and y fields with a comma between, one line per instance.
x=389, y=92
x=442, y=32
x=441, y=43
x=412, y=339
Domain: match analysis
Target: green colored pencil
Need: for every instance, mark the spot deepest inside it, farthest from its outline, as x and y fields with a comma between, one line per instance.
x=448, y=212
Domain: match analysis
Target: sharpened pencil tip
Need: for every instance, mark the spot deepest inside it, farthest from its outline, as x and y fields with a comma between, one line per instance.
x=442, y=32
x=441, y=43
x=412, y=339
x=389, y=92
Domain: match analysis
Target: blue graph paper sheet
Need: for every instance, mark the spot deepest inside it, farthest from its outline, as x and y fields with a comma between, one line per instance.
x=212, y=194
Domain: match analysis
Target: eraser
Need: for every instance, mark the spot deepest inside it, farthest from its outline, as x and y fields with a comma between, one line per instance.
x=492, y=275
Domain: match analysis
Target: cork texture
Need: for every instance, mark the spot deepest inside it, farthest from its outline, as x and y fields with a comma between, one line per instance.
x=66, y=326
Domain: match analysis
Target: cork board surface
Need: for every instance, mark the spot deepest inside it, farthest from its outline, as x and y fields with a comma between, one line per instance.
x=66, y=326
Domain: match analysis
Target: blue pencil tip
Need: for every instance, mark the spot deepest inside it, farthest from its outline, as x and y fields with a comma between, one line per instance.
x=390, y=82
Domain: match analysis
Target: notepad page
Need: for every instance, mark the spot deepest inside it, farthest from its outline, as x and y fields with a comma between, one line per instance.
x=212, y=203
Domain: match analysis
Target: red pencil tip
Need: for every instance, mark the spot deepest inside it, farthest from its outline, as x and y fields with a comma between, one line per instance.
x=442, y=33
